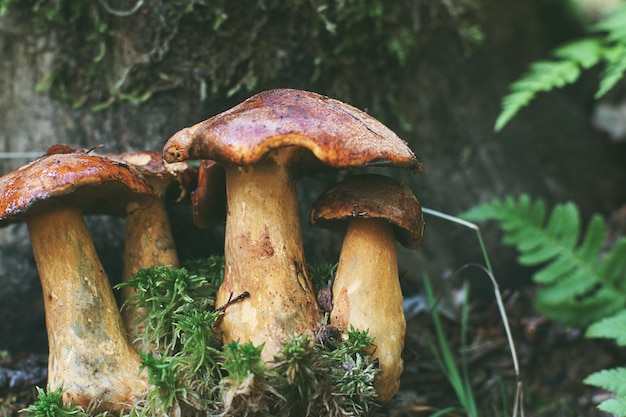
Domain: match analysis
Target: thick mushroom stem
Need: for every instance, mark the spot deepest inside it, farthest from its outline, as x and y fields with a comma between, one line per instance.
x=264, y=256
x=89, y=353
x=149, y=242
x=367, y=295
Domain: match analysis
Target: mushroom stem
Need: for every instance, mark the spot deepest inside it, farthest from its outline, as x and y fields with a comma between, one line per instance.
x=367, y=295
x=149, y=242
x=89, y=353
x=264, y=256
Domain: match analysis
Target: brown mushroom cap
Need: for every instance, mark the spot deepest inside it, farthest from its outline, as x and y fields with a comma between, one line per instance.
x=83, y=181
x=371, y=196
x=160, y=174
x=338, y=134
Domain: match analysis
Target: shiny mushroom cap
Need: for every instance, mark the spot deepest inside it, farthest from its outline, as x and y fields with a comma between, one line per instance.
x=160, y=174
x=87, y=182
x=337, y=134
x=371, y=196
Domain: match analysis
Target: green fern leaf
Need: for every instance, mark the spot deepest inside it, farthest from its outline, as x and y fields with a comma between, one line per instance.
x=580, y=311
x=614, y=406
x=613, y=380
x=614, y=70
x=542, y=76
x=585, y=52
x=614, y=25
x=511, y=104
x=613, y=327
x=578, y=286
x=614, y=265
x=606, y=44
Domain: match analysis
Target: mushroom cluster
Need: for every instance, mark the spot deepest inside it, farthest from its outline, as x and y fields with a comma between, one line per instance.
x=250, y=159
x=263, y=144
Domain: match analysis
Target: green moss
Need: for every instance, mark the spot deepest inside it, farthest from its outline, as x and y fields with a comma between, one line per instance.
x=194, y=372
x=49, y=403
x=220, y=50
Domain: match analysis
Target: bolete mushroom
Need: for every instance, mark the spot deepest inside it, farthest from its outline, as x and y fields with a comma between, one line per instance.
x=262, y=143
x=375, y=210
x=148, y=234
x=89, y=354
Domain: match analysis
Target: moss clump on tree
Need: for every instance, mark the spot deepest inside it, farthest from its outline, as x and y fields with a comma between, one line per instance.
x=106, y=51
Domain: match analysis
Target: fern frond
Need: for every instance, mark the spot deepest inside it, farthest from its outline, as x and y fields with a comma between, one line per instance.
x=613, y=380
x=613, y=24
x=614, y=71
x=579, y=286
x=609, y=379
x=606, y=44
x=543, y=76
x=613, y=327
x=614, y=406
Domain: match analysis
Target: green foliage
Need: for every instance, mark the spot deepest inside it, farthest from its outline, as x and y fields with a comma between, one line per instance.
x=166, y=292
x=613, y=327
x=605, y=45
x=112, y=52
x=321, y=274
x=613, y=380
x=50, y=404
x=580, y=284
x=458, y=377
x=194, y=371
x=166, y=391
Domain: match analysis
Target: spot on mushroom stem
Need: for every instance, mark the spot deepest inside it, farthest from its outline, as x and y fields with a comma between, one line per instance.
x=267, y=249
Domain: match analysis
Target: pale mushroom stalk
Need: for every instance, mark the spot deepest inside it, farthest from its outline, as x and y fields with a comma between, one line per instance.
x=89, y=353
x=264, y=256
x=148, y=242
x=367, y=295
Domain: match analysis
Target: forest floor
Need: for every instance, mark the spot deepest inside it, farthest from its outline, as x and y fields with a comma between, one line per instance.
x=553, y=361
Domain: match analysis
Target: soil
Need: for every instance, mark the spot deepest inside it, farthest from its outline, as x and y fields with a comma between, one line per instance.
x=553, y=361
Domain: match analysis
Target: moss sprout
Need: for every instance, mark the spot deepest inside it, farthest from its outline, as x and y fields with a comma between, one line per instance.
x=49, y=403
x=193, y=373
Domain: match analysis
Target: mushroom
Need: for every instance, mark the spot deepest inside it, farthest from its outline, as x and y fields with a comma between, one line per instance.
x=262, y=143
x=89, y=354
x=148, y=234
x=375, y=210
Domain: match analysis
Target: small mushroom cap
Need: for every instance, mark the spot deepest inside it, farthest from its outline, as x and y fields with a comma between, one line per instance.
x=371, y=196
x=160, y=174
x=150, y=163
x=339, y=135
x=87, y=182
